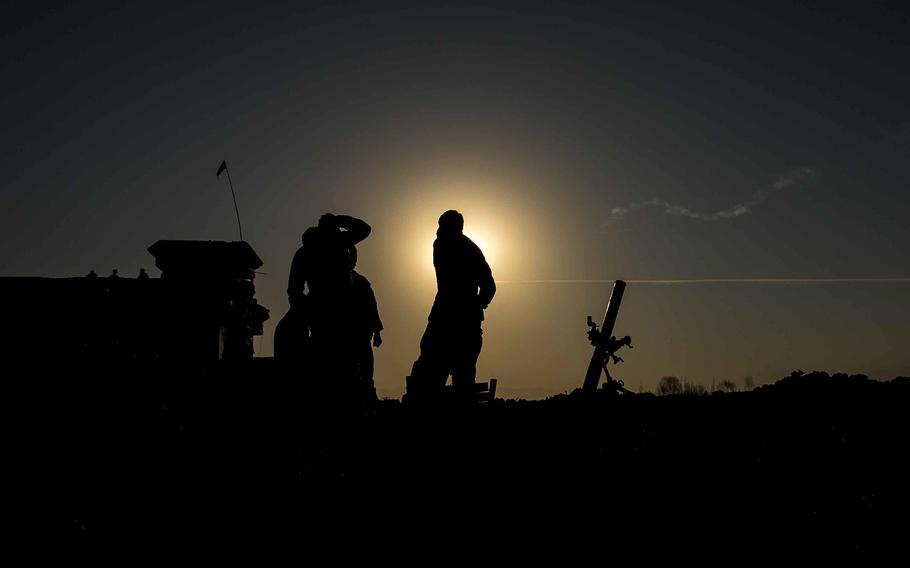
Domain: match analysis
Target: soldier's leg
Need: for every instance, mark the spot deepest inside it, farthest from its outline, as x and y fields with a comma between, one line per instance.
x=336, y=380
x=429, y=373
x=365, y=360
x=468, y=349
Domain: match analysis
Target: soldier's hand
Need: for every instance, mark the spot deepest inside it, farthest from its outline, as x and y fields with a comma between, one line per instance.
x=328, y=220
x=377, y=339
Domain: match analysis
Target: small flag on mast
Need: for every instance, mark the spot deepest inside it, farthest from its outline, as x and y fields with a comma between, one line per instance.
x=222, y=168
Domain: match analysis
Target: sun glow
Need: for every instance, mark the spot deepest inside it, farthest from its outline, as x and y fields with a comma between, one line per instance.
x=484, y=239
x=495, y=218
x=486, y=242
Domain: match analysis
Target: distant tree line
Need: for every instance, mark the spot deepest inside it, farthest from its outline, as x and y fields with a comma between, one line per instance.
x=673, y=385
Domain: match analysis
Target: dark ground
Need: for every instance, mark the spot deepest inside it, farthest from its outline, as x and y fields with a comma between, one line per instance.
x=813, y=463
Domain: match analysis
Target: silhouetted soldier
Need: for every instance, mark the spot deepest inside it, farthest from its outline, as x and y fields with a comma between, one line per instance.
x=367, y=329
x=320, y=288
x=453, y=338
x=292, y=333
x=322, y=266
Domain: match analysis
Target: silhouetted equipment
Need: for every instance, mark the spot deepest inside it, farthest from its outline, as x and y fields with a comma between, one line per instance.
x=606, y=345
x=206, y=260
x=216, y=295
x=222, y=168
x=483, y=392
x=486, y=392
x=201, y=310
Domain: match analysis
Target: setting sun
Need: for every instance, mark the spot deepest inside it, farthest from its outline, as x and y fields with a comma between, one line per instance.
x=495, y=219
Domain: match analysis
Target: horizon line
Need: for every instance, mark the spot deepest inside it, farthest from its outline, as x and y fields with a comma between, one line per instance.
x=712, y=281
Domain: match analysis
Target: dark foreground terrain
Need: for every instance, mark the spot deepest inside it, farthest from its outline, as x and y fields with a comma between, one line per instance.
x=814, y=463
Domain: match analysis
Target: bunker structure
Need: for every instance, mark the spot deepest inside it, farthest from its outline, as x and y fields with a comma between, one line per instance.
x=201, y=310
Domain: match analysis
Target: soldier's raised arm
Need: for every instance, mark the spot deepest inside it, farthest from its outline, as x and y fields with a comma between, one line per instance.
x=357, y=229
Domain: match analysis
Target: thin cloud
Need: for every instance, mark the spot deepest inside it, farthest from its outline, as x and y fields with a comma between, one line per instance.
x=792, y=179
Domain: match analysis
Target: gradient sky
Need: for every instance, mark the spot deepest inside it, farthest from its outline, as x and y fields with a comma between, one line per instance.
x=720, y=144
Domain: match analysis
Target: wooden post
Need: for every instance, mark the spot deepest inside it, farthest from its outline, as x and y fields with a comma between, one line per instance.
x=592, y=377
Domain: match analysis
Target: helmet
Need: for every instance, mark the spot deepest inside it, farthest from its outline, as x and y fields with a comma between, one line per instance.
x=451, y=221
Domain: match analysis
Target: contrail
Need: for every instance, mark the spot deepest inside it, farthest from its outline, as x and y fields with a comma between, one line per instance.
x=680, y=281
x=796, y=177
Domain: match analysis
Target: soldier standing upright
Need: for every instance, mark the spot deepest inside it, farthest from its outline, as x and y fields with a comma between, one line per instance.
x=453, y=338
x=367, y=329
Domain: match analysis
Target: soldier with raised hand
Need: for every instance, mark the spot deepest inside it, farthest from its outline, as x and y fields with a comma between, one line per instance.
x=322, y=264
x=320, y=291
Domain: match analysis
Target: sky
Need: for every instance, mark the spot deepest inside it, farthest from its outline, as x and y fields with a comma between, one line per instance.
x=744, y=166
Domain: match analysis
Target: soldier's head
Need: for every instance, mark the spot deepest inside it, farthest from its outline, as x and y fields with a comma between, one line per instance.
x=451, y=223
x=309, y=235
